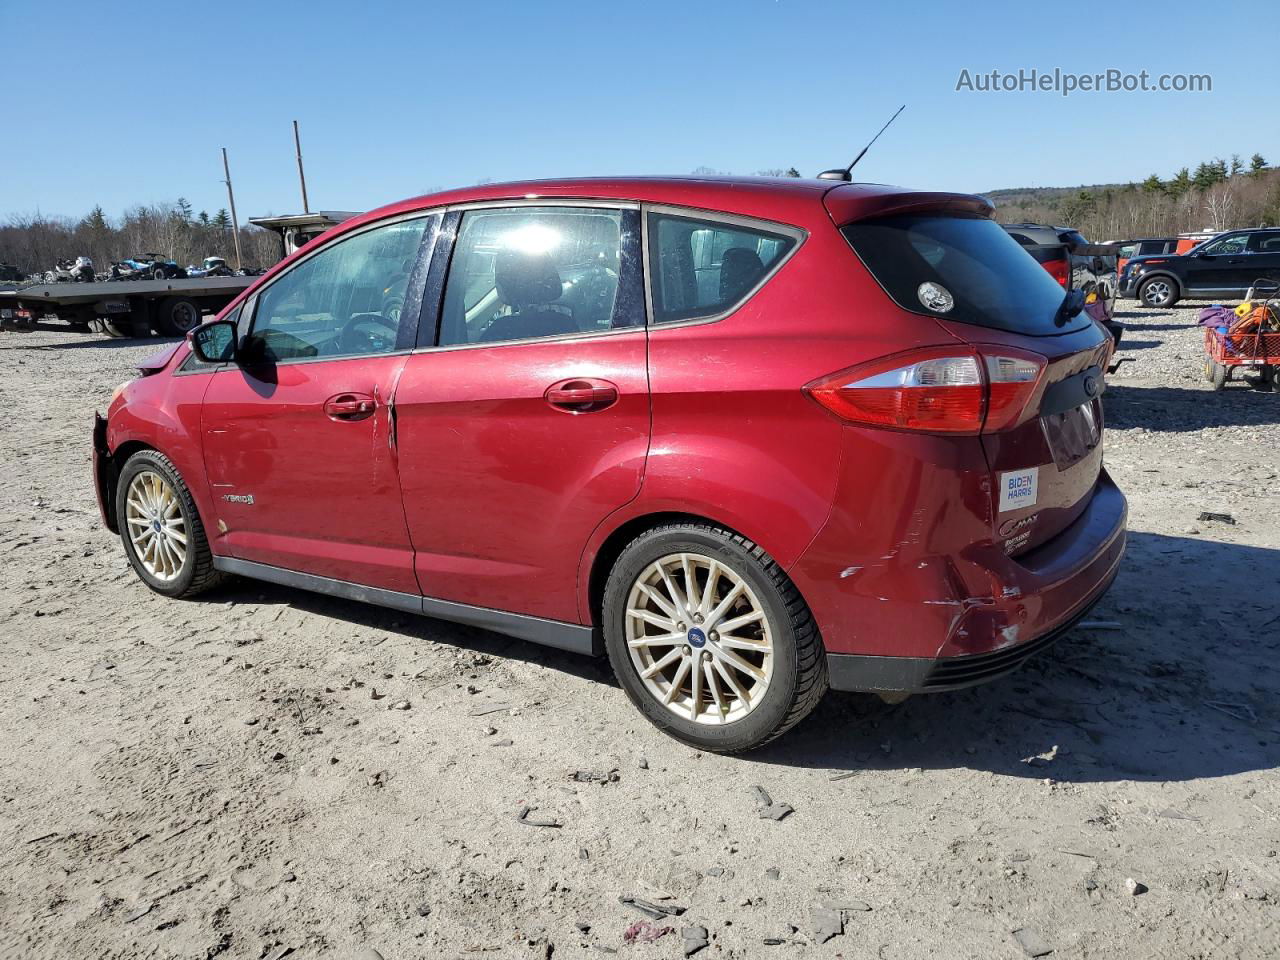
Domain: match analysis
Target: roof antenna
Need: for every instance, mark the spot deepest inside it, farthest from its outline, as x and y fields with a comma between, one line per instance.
x=844, y=175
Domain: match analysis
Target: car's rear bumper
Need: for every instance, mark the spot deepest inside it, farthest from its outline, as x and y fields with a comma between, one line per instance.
x=1036, y=598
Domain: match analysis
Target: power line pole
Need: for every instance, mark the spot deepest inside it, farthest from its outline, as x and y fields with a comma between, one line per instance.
x=302, y=177
x=231, y=198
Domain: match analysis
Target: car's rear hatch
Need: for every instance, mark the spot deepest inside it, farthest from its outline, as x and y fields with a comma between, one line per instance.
x=1042, y=364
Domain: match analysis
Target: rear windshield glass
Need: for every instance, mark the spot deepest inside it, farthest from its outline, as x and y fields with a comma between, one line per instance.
x=991, y=280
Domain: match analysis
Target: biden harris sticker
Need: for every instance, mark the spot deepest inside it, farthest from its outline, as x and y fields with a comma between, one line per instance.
x=1018, y=489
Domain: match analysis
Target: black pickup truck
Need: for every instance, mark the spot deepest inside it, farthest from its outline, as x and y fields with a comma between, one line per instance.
x=1077, y=264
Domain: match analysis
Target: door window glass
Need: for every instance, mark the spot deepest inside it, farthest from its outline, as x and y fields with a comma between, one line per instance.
x=344, y=301
x=1227, y=246
x=1264, y=243
x=701, y=268
x=521, y=273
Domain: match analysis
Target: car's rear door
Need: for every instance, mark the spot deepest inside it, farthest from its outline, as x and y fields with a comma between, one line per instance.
x=523, y=420
x=297, y=434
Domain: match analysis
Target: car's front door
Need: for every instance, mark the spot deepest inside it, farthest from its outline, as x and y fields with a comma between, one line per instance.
x=525, y=421
x=297, y=433
x=1220, y=266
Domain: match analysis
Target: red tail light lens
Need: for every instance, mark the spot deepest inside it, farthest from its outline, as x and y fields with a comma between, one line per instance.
x=935, y=390
x=1060, y=270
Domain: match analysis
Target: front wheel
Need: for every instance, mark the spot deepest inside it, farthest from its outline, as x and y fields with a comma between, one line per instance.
x=1217, y=373
x=1158, y=292
x=710, y=639
x=160, y=528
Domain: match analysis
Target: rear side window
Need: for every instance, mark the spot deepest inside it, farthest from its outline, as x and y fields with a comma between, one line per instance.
x=704, y=268
x=988, y=279
x=525, y=273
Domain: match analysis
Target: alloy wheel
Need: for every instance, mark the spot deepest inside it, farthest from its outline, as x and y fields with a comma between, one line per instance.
x=1158, y=292
x=699, y=638
x=156, y=527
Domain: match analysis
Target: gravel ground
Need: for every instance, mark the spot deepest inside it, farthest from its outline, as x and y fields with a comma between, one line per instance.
x=225, y=777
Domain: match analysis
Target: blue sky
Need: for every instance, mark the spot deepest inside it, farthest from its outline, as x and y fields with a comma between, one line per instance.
x=132, y=104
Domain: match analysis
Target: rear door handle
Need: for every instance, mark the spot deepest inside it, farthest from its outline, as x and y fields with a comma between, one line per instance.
x=350, y=406
x=582, y=395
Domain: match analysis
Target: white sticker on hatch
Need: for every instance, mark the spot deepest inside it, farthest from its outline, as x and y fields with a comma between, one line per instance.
x=1018, y=489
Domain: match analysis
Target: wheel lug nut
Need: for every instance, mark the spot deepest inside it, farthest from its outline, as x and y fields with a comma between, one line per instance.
x=682, y=626
x=697, y=618
x=713, y=636
x=705, y=656
x=688, y=650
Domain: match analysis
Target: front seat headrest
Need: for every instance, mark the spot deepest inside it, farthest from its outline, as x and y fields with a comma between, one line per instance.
x=526, y=278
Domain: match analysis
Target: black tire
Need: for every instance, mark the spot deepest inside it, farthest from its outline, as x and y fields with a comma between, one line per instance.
x=119, y=329
x=197, y=573
x=177, y=316
x=158, y=272
x=1218, y=374
x=800, y=665
x=1159, y=293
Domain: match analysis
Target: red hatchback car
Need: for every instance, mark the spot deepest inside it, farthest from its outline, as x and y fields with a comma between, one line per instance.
x=750, y=438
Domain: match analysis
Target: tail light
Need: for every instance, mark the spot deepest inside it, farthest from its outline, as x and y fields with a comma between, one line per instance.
x=935, y=390
x=1060, y=270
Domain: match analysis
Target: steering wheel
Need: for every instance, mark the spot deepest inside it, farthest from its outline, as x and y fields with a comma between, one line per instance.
x=368, y=333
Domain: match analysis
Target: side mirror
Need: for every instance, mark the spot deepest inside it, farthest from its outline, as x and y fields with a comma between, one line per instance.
x=215, y=342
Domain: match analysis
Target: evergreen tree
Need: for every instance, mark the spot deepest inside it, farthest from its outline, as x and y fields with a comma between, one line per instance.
x=222, y=219
x=1236, y=166
x=1257, y=164
x=96, y=220
x=1180, y=183
x=1153, y=184
x=792, y=172
x=1203, y=178
x=182, y=210
x=203, y=218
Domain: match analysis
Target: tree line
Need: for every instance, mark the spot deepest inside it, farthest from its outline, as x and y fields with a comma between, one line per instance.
x=1216, y=195
x=34, y=242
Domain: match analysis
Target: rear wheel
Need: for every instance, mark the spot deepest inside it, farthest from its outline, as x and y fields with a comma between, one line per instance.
x=177, y=316
x=158, y=272
x=160, y=528
x=710, y=639
x=1158, y=292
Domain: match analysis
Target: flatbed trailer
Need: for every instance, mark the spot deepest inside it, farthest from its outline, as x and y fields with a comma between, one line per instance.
x=121, y=308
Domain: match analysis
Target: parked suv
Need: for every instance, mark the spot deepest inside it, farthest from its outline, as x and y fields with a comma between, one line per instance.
x=1223, y=268
x=750, y=438
x=1126, y=250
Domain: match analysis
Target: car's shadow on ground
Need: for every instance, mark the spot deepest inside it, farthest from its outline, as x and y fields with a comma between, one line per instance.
x=1180, y=410
x=1184, y=689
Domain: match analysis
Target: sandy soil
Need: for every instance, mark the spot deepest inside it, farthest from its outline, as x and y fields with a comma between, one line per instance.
x=225, y=777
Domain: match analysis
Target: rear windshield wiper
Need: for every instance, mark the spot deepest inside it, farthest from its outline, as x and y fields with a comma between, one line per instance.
x=1070, y=307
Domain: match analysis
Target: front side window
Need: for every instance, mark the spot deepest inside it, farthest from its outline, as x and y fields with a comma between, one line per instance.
x=345, y=301
x=523, y=273
x=1227, y=246
x=704, y=268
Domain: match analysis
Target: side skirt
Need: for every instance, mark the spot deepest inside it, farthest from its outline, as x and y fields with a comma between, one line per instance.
x=551, y=633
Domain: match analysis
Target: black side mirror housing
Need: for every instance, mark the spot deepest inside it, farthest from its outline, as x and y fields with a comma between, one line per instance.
x=214, y=342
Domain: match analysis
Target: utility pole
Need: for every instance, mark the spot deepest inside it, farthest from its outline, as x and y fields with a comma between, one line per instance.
x=231, y=198
x=302, y=177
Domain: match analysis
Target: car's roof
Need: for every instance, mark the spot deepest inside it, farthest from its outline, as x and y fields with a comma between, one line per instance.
x=795, y=200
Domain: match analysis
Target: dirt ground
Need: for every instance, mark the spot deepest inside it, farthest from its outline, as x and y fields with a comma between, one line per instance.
x=225, y=777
